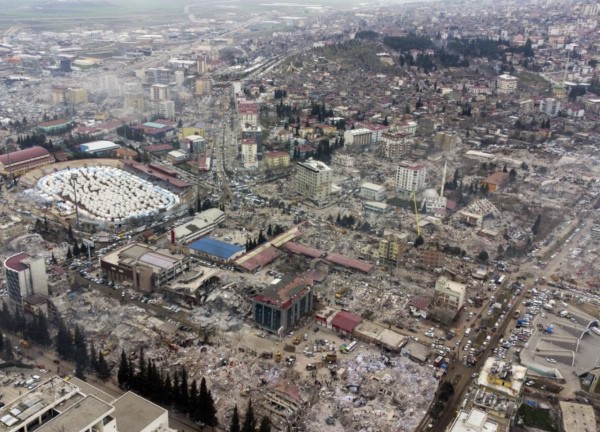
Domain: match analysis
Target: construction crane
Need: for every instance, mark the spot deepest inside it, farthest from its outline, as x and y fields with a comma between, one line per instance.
x=416, y=213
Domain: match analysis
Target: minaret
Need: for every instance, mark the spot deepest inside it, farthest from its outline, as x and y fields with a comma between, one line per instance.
x=443, y=179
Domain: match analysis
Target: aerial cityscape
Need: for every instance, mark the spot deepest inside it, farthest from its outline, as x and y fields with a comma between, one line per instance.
x=304, y=216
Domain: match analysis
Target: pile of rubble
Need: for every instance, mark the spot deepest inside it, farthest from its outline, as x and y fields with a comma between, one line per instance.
x=369, y=396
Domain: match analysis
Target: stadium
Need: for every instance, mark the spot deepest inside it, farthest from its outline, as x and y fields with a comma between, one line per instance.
x=104, y=194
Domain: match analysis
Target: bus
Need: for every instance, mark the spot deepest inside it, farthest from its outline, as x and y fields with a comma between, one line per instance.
x=351, y=346
x=500, y=280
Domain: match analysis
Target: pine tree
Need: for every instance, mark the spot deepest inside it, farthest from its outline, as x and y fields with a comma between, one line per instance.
x=81, y=353
x=193, y=409
x=69, y=253
x=234, y=426
x=93, y=357
x=64, y=341
x=249, y=421
x=265, y=425
x=123, y=373
x=184, y=391
x=102, y=372
x=207, y=411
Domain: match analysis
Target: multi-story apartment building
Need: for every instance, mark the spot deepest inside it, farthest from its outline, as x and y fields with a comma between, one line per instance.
x=507, y=84
x=277, y=159
x=358, y=137
x=249, y=157
x=313, y=180
x=25, y=276
x=396, y=145
x=550, y=106
x=410, y=177
x=449, y=294
x=159, y=92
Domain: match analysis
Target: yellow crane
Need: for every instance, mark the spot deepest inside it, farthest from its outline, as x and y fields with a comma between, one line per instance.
x=416, y=213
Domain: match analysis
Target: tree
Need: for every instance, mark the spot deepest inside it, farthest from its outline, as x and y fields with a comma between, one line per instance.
x=234, y=426
x=535, y=229
x=123, y=373
x=483, y=256
x=8, y=349
x=512, y=175
x=249, y=421
x=64, y=341
x=208, y=413
x=419, y=241
x=102, y=372
x=69, y=253
x=265, y=425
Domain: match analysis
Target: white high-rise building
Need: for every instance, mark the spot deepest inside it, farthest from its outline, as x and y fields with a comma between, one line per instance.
x=410, y=177
x=164, y=108
x=25, y=276
x=159, y=92
x=249, y=158
x=179, y=78
x=550, y=106
x=313, y=180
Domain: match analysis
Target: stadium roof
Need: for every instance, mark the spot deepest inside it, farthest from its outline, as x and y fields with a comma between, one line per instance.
x=212, y=246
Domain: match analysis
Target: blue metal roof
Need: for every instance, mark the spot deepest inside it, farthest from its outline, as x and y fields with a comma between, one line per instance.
x=212, y=246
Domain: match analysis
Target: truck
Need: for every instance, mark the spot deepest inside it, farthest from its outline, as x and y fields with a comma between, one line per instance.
x=522, y=323
x=278, y=356
x=330, y=357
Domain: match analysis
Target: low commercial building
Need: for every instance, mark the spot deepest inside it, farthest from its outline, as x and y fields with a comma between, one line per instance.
x=449, y=294
x=503, y=378
x=280, y=306
x=144, y=267
x=53, y=127
x=177, y=156
x=495, y=181
x=76, y=406
x=99, y=147
x=18, y=162
x=215, y=250
x=379, y=335
x=577, y=417
x=475, y=420
x=375, y=207
x=372, y=191
x=202, y=224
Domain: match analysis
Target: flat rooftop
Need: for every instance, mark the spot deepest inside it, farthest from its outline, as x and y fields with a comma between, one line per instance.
x=81, y=416
x=578, y=417
x=145, y=412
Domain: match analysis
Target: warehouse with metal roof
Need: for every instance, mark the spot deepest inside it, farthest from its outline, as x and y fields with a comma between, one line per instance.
x=216, y=250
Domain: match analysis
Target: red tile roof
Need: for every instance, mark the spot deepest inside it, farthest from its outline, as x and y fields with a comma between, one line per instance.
x=25, y=155
x=351, y=263
x=298, y=248
x=261, y=259
x=345, y=321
